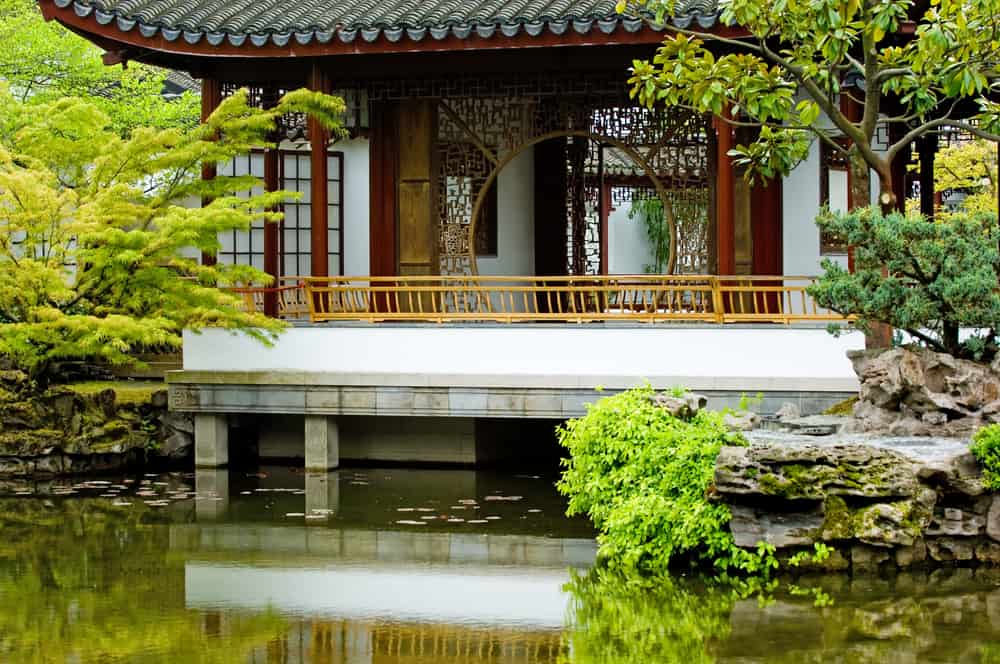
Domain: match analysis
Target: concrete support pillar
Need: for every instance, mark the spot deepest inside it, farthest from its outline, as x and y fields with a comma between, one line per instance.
x=322, y=442
x=211, y=440
x=211, y=488
x=322, y=496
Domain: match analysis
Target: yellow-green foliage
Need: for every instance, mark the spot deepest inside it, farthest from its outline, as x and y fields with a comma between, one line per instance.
x=986, y=449
x=42, y=62
x=96, y=243
x=644, y=478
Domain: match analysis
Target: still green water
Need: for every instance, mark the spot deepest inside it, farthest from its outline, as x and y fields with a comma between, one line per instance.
x=382, y=566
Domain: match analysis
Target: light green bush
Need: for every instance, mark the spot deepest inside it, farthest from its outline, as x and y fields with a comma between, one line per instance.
x=986, y=449
x=644, y=477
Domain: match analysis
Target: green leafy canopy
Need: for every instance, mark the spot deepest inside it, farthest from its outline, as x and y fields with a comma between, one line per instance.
x=781, y=67
x=100, y=235
x=41, y=61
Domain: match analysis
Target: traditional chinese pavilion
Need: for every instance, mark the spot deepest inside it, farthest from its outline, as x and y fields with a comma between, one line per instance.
x=493, y=160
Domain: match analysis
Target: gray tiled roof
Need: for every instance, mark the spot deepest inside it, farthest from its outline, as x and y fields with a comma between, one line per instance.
x=278, y=22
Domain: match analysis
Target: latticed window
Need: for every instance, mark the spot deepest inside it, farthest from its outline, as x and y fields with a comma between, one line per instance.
x=247, y=247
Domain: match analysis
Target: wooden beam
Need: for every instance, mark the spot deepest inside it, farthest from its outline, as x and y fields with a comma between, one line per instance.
x=319, y=139
x=725, y=199
x=211, y=97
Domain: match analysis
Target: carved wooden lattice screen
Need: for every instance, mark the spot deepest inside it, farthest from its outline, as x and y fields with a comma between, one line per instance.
x=476, y=133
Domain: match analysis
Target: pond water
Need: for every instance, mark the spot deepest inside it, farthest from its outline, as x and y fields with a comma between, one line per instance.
x=380, y=566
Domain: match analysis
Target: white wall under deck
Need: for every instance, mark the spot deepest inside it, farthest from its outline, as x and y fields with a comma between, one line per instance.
x=702, y=358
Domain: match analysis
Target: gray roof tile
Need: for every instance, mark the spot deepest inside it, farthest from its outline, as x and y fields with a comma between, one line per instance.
x=276, y=21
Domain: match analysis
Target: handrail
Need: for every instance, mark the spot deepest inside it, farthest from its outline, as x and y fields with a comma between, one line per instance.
x=508, y=299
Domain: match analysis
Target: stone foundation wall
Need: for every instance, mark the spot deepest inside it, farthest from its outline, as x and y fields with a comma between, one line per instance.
x=899, y=502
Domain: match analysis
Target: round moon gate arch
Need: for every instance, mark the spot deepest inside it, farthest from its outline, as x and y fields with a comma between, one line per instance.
x=637, y=158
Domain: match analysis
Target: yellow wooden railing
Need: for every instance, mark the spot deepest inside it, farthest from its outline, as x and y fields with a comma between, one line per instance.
x=645, y=298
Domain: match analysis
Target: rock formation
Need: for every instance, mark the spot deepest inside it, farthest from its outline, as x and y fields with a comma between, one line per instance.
x=923, y=393
x=63, y=431
x=872, y=504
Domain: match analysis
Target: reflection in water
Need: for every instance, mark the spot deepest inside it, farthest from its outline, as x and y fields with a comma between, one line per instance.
x=150, y=570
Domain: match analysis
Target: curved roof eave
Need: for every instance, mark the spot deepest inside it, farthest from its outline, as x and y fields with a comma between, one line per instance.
x=107, y=20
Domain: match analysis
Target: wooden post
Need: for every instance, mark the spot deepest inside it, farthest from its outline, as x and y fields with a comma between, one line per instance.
x=604, y=208
x=319, y=138
x=211, y=97
x=725, y=203
x=271, y=230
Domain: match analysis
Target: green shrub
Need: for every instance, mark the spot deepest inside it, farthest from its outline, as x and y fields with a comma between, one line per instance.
x=986, y=449
x=928, y=277
x=644, y=477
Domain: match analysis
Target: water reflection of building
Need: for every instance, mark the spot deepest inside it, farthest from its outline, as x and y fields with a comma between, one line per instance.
x=350, y=642
x=358, y=596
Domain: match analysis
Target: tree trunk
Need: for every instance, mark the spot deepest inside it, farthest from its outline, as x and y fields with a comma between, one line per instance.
x=949, y=338
x=859, y=196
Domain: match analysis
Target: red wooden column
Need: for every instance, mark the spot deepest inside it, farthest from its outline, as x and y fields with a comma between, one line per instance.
x=319, y=138
x=211, y=97
x=725, y=199
x=271, y=230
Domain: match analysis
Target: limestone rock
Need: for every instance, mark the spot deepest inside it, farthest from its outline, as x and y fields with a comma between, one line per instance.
x=993, y=519
x=178, y=445
x=780, y=529
x=955, y=522
x=920, y=392
x=812, y=472
x=741, y=421
x=956, y=473
x=684, y=407
x=867, y=557
x=950, y=549
x=988, y=552
x=815, y=425
x=914, y=554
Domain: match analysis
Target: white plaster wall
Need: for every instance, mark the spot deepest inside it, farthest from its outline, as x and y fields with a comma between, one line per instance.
x=717, y=358
x=629, y=251
x=356, y=206
x=516, y=220
x=800, y=204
